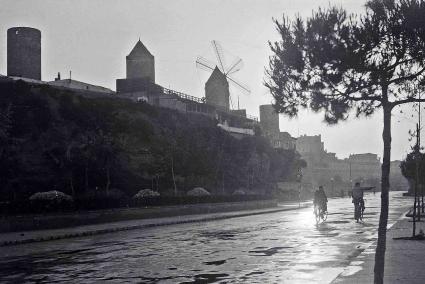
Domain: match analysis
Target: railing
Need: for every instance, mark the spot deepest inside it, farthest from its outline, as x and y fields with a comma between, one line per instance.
x=184, y=96
x=202, y=101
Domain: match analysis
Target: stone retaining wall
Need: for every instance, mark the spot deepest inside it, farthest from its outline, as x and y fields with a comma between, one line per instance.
x=56, y=221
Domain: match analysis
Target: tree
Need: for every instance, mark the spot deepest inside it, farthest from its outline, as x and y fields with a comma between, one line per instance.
x=408, y=166
x=339, y=63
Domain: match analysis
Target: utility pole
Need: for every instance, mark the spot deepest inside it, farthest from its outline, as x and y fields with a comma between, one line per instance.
x=419, y=150
x=415, y=207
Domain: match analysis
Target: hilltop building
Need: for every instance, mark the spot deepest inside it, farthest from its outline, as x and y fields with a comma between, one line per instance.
x=217, y=90
x=80, y=86
x=24, y=63
x=269, y=121
x=140, y=73
x=139, y=86
x=140, y=63
x=24, y=53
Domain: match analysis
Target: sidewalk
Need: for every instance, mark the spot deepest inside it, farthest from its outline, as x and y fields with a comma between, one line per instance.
x=403, y=259
x=17, y=238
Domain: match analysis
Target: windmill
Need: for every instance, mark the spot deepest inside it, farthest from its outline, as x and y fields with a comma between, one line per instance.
x=217, y=86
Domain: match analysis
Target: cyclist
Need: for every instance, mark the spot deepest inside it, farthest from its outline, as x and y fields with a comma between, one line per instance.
x=358, y=201
x=320, y=199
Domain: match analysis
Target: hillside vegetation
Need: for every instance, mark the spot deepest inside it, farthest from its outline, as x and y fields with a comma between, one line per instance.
x=52, y=139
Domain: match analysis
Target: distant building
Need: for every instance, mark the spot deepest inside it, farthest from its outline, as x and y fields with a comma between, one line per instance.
x=78, y=85
x=139, y=83
x=140, y=63
x=217, y=90
x=269, y=120
x=24, y=53
x=364, y=166
x=285, y=141
x=311, y=148
x=240, y=112
x=324, y=168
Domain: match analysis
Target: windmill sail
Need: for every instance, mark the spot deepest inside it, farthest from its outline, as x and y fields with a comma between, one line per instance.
x=217, y=91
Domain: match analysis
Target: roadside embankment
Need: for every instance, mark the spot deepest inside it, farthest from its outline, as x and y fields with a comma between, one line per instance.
x=151, y=218
x=72, y=219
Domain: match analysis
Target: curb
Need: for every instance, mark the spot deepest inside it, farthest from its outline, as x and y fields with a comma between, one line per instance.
x=402, y=216
x=135, y=227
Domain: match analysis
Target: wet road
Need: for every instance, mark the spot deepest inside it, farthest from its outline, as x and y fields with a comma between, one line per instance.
x=272, y=248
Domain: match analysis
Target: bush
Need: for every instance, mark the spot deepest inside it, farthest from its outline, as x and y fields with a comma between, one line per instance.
x=50, y=201
x=198, y=191
x=144, y=193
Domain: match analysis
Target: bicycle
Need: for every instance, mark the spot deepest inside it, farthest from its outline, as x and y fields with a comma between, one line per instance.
x=320, y=214
x=359, y=209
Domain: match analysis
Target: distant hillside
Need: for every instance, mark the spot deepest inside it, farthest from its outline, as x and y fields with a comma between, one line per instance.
x=55, y=139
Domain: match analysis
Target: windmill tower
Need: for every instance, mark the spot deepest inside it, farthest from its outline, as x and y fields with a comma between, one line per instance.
x=140, y=63
x=217, y=86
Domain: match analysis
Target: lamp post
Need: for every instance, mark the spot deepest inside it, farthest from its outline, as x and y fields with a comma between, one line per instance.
x=299, y=178
x=332, y=183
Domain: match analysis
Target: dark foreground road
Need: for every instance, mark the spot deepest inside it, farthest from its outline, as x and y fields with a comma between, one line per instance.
x=284, y=247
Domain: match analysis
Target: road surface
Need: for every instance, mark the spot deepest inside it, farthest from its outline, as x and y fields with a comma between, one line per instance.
x=271, y=248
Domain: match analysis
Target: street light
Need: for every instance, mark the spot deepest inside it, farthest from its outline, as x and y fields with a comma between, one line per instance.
x=332, y=182
x=299, y=178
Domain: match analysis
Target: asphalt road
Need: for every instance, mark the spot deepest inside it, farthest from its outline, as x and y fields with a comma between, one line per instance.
x=283, y=247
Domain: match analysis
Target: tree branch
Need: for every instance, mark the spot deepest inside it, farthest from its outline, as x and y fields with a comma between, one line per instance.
x=408, y=100
x=410, y=77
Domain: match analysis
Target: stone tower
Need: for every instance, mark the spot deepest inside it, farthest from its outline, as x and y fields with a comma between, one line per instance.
x=269, y=120
x=217, y=89
x=140, y=63
x=24, y=52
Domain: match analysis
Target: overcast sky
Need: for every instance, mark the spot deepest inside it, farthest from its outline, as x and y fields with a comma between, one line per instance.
x=92, y=38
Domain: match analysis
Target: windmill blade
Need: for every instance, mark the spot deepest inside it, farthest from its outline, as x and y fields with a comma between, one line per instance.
x=218, y=50
x=204, y=64
x=231, y=103
x=236, y=65
x=239, y=85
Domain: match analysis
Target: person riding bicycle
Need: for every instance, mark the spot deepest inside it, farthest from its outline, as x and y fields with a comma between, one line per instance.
x=357, y=195
x=320, y=199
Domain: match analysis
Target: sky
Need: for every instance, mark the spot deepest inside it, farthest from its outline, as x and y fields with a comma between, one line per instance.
x=92, y=38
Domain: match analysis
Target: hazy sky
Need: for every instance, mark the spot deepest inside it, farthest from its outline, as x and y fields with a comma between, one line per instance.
x=92, y=38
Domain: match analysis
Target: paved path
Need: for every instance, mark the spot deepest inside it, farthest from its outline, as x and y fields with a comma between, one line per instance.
x=278, y=247
x=404, y=259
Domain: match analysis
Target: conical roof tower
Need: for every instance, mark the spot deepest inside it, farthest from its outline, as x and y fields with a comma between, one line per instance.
x=140, y=63
x=217, y=89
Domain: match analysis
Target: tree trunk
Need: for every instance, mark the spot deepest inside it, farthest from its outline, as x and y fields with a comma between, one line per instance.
x=108, y=179
x=174, y=179
x=71, y=184
x=86, y=176
x=385, y=185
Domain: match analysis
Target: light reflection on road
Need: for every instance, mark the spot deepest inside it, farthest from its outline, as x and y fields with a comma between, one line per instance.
x=271, y=248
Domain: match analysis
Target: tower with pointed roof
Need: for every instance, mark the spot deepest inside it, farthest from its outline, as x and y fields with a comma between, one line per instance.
x=140, y=63
x=217, y=89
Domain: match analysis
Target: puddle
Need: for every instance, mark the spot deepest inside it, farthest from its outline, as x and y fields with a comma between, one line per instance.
x=208, y=278
x=217, y=262
x=268, y=252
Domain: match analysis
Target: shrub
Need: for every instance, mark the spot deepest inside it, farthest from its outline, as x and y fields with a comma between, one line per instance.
x=198, y=191
x=50, y=201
